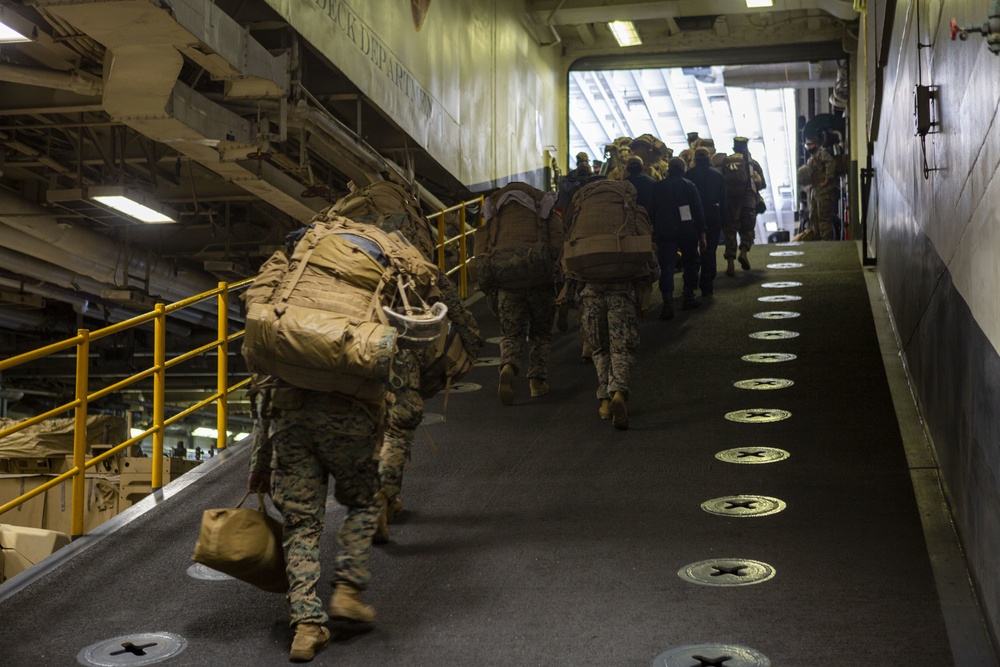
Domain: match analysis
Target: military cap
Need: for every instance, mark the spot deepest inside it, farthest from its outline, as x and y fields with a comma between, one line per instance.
x=582, y=157
x=692, y=136
x=740, y=140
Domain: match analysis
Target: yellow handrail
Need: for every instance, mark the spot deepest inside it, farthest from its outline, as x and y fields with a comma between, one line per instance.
x=462, y=266
x=84, y=397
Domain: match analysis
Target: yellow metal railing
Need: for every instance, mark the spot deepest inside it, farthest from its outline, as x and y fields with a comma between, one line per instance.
x=158, y=371
x=462, y=264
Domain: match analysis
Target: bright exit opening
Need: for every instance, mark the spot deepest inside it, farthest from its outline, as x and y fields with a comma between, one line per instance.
x=770, y=104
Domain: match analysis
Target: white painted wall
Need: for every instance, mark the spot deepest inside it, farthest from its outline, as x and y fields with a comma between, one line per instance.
x=471, y=86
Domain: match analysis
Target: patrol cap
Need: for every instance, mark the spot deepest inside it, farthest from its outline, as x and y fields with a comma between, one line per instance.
x=701, y=153
x=740, y=140
x=582, y=157
x=634, y=161
x=692, y=136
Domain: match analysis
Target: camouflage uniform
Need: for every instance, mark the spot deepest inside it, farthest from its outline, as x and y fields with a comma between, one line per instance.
x=742, y=215
x=610, y=322
x=526, y=313
x=311, y=436
x=407, y=411
x=822, y=197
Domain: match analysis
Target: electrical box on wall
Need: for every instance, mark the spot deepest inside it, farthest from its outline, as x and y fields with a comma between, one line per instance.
x=923, y=99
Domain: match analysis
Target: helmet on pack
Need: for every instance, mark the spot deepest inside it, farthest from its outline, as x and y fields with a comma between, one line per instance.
x=420, y=328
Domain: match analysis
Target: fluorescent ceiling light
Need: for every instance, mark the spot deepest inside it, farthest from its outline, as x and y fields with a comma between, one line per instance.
x=760, y=3
x=8, y=35
x=133, y=204
x=625, y=34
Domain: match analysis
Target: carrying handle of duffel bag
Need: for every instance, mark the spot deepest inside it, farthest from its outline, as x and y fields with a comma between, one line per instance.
x=260, y=499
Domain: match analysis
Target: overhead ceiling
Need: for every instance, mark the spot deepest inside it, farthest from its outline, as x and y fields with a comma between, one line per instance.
x=260, y=131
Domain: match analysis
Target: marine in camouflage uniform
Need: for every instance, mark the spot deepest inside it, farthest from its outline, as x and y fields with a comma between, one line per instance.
x=822, y=197
x=312, y=436
x=610, y=323
x=742, y=215
x=526, y=316
x=407, y=410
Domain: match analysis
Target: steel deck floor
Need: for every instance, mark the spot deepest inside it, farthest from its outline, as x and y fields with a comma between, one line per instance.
x=537, y=534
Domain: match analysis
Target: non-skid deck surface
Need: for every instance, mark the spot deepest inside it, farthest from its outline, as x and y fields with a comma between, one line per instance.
x=536, y=534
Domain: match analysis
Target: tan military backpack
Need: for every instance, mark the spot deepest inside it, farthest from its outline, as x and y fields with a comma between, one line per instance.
x=388, y=206
x=608, y=235
x=331, y=318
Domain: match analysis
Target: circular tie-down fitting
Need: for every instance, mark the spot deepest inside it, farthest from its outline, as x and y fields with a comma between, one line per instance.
x=776, y=315
x=462, y=388
x=727, y=572
x=488, y=361
x=768, y=357
x=779, y=298
x=495, y=340
x=752, y=455
x=144, y=648
x=431, y=418
x=712, y=655
x=758, y=415
x=744, y=506
x=205, y=573
x=763, y=384
x=781, y=284
x=774, y=334
x=786, y=265
x=787, y=253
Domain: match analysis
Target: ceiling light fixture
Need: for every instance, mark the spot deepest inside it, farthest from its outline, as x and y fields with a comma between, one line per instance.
x=13, y=28
x=625, y=33
x=132, y=203
x=759, y=3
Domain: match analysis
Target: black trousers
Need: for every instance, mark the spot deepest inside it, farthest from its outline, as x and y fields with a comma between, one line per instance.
x=708, y=260
x=687, y=244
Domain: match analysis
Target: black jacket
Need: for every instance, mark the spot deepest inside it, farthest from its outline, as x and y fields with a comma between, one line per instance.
x=643, y=187
x=669, y=195
x=712, y=190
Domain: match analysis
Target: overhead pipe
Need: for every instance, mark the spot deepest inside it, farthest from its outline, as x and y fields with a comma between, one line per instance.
x=74, y=81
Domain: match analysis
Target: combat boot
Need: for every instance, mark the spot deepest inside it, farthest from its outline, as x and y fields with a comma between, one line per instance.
x=381, y=534
x=394, y=509
x=345, y=604
x=587, y=353
x=691, y=301
x=562, y=321
x=668, y=311
x=605, y=409
x=309, y=638
x=506, y=388
x=539, y=387
x=619, y=414
x=730, y=268
x=744, y=262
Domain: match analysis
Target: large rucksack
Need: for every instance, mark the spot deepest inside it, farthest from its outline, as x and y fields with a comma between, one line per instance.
x=734, y=170
x=515, y=246
x=608, y=235
x=388, y=206
x=330, y=317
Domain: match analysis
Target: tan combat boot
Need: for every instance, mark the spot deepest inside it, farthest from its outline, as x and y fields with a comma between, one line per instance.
x=619, y=414
x=395, y=507
x=309, y=638
x=605, y=409
x=506, y=388
x=538, y=387
x=345, y=604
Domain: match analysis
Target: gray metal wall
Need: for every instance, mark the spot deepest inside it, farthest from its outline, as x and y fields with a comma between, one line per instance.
x=938, y=245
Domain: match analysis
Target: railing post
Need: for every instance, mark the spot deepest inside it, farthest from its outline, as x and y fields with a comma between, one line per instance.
x=80, y=434
x=222, y=406
x=441, y=240
x=463, y=277
x=159, y=393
